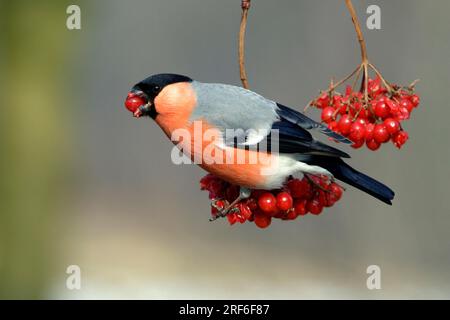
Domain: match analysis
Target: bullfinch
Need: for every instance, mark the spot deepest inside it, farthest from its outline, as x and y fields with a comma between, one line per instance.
x=179, y=103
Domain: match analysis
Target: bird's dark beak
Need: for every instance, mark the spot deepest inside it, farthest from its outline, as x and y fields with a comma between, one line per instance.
x=144, y=110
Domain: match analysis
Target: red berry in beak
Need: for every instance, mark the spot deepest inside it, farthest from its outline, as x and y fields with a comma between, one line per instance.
x=133, y=102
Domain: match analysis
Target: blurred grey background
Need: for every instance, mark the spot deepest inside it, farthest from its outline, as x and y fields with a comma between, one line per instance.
x=137, y=224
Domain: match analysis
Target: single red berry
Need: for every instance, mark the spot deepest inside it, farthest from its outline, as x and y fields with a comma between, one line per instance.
x=415, y=100
x=295, y=188
x=279, y=214
x=330, y=201
x=361, y=120
x=327, y=114
x=316, y=180
x=406, y=103
x=314, y=207
x=336, y=190
x=252, y=204
x=232, y=218
x=323, y=101
x=381, y=98
x=322, y=198
x=372, y=145
x=267, y=202
x=337, y=102
x=358, y=144
x=284, y=201
x=369, y=131
x=382, y=110
x=262, y=220
x=241, y=218
x=392, y=125
x=358, y=95
x=393, y=105
x=364, y=114
x=356, y=107
x=400, y=138
x=333, y=125
x=357, y=132
x=344, y=125
x=244, y=210
x=380, y=133
x=348, y=90
x=307, y=190
x=402, y=114
x=300, y=207
x=133, y=103
x=290, y=215
x=374, y=86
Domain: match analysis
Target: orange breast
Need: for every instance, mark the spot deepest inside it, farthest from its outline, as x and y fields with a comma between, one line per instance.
x=174, y=106
x=237, y=166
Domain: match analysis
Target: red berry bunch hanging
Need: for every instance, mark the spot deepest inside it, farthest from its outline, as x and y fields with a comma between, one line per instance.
x=297, y=198
x=371, y=116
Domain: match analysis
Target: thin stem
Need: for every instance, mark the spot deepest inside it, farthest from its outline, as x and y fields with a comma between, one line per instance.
x=245, y=5
x=386, y=84
x=357, y=77
x=335, y=85
x=359, y=33
x=366, y=84
x=413, y=84
x=344, y=79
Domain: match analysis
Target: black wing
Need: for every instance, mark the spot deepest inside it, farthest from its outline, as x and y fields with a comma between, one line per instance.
x=301, y=120
x=289, y=138
x=295, y=139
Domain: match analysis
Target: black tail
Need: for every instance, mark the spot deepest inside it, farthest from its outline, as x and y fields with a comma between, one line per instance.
x=347, y=174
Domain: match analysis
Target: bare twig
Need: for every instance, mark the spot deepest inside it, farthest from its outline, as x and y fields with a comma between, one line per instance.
x=359, y=33
x=245, y=5
x=386, y=84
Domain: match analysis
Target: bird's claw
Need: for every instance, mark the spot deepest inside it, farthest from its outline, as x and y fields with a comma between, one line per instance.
x=227, y=208
x=222, y=210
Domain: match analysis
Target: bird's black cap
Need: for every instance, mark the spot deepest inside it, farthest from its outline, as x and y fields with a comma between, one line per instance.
x=155, y=83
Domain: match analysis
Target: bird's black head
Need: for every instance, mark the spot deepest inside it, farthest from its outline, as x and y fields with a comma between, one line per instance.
x=141, y=98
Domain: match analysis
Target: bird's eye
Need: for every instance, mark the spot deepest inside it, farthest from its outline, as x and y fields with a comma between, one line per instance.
x=156, y=89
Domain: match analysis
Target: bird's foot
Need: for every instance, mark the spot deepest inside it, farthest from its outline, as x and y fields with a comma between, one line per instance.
x=223, y=208
x=314, y=183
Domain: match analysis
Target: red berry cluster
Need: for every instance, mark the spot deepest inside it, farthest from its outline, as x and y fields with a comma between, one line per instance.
x=371, y=118
x=297, y=198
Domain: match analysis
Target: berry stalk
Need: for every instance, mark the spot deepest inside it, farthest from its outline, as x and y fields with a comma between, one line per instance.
x=245, y=5
x=359, y=33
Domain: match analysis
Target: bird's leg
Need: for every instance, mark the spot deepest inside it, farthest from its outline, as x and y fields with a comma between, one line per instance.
x=316, y=184
x=244, y=193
